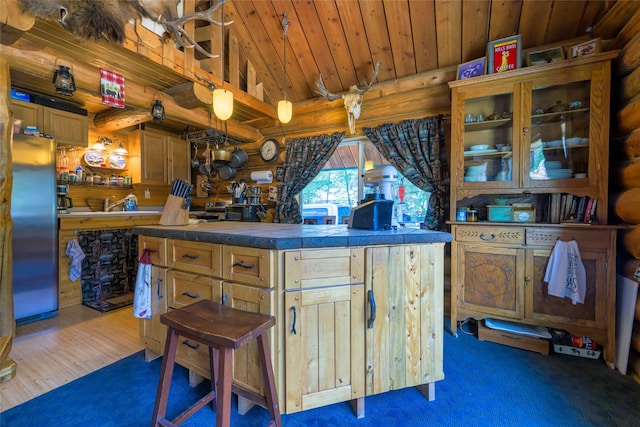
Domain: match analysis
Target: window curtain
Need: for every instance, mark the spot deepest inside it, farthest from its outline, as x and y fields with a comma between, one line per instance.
x=416, y=149
x=304, y=159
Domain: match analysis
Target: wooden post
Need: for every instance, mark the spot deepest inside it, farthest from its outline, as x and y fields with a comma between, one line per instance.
x=7, y=322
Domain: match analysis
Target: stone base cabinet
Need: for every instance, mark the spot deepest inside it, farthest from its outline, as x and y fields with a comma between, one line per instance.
x=351, y=321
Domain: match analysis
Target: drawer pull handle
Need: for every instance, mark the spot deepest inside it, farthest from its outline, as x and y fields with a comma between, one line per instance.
x=188, y=294
x=191, y=256
x=188, y=344
x=160, y=296
x=293, y=327
x=372, y=306
x=243, y=265
x=224, y=299
x=489, y=237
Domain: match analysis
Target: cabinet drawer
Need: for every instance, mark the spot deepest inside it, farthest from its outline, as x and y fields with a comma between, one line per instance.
x=193, y=355
x=547, y=237
x=196, y=257
x=250, y=266
x=187, y=288
x=509, y=235
x=157, y=249
x=330, y=267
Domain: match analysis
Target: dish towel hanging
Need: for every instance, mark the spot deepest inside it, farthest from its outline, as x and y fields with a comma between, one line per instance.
x=142, y=291
x=565, y=272
x=74, y=251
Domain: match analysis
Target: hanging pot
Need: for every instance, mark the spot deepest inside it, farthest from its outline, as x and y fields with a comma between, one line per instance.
x=194, y=161
x=227, y=172
x=220, y=155
x=239, y=157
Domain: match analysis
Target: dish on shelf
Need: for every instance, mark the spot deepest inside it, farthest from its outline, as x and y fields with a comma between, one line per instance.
x=577, y=140
x=490, y=150
x=93, y=158
x=116, y=161
x=479, y=147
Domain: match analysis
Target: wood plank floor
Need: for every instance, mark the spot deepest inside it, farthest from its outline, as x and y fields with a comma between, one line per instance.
x=52, y=352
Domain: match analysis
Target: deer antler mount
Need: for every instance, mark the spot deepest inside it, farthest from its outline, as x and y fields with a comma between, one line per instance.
x=352, y=98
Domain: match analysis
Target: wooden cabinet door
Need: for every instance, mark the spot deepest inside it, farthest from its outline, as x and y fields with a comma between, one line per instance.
x=67, y=128
x=490, y=280
x=155, y=333
x=551, y=309
x=246, y=362
x=403, y=283
x=324, y=346
x=153, y=153
x=179, y=161
x=30, y=114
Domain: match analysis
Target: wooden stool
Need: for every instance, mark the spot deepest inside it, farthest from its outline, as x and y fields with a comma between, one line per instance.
x=222, y=329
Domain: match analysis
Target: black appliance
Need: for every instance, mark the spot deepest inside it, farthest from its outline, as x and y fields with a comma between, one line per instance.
x=373, y=213
x=244, y=212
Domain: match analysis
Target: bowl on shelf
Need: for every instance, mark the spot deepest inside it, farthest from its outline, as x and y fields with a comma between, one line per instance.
x=479, y=147
x=553, y=164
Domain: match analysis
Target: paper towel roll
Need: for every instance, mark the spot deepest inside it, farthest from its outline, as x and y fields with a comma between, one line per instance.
x=262, y=177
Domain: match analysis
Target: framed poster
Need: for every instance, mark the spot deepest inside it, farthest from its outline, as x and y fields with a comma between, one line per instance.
x=587, y=48
x=504, y=54
x=545, y=56
x=472, y=68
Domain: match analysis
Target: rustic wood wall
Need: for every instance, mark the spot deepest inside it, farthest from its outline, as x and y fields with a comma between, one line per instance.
x=625, y=162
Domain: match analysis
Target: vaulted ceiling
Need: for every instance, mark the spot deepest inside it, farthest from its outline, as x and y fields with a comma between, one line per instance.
x=341, y=39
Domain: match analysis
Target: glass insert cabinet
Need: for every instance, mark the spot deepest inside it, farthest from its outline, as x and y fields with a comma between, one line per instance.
x=529, y=166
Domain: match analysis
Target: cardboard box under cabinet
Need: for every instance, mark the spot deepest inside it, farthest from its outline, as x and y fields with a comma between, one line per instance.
x=539, y=345
x=576, y=351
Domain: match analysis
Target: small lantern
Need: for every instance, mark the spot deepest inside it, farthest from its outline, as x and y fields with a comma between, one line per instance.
x=63, y=80
x=157, y=111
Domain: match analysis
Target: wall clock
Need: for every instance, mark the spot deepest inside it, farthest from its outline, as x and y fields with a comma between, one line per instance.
x=270, y=150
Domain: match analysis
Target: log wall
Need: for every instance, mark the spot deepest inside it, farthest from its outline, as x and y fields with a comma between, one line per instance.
x=625, y=162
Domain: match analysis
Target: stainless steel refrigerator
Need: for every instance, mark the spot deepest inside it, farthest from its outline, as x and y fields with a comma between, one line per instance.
x=35, y=229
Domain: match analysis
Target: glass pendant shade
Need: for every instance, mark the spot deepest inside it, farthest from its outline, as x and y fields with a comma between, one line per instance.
x=285, y=111
x=222, y=103
x=121, y=151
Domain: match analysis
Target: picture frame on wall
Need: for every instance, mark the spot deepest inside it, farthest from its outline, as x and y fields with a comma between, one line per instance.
x=586, y=48
x=473, y=68
x=545, y=56
x=504, y=54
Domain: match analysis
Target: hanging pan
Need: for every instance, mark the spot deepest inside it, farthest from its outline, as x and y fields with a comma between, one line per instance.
x=226, y=172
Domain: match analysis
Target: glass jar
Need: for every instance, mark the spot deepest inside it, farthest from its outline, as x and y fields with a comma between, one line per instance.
x=120, y=181
x=113, y=180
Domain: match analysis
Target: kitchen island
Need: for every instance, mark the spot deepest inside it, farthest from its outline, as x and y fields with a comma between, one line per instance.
x=358, y=312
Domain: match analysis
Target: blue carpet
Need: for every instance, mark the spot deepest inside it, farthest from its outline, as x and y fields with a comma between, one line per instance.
x=485, y=384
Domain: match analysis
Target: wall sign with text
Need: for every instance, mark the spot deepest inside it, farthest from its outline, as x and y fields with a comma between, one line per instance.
x=504, y=54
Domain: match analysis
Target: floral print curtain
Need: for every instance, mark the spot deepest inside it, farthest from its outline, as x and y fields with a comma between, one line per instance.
x=416, y=149
x=305, y=158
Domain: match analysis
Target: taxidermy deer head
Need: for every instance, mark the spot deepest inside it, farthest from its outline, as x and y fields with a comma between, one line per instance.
x=97, y=19
x=352, y=98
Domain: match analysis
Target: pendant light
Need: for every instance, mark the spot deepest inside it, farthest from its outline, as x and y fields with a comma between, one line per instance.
x=285, y=108
x=222, y=98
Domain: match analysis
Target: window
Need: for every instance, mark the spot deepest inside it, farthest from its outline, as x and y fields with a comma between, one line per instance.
x=340, y=186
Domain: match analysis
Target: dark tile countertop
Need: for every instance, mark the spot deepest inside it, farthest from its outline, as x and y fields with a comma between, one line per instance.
x=290, y=236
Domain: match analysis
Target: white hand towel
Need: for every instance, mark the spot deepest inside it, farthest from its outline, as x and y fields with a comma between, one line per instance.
x=565, y=272
x=74, y=251
x=142, y=293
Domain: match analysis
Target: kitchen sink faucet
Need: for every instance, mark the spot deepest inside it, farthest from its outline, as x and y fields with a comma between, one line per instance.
x=108, y=206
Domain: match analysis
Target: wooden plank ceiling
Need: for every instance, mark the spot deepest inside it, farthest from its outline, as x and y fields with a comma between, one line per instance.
x=341, y=39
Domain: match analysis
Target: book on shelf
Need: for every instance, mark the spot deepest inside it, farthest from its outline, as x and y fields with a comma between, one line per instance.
x=578, y=209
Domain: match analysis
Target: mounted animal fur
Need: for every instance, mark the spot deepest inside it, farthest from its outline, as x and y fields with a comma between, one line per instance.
x=98, y=19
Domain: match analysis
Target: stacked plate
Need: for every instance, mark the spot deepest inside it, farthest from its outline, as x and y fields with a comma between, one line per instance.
x=476, y=173
x=554, y=170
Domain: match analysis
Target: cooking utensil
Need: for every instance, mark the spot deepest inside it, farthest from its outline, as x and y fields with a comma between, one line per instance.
x=194, y=161
x=239, y=157
x=227, y=172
